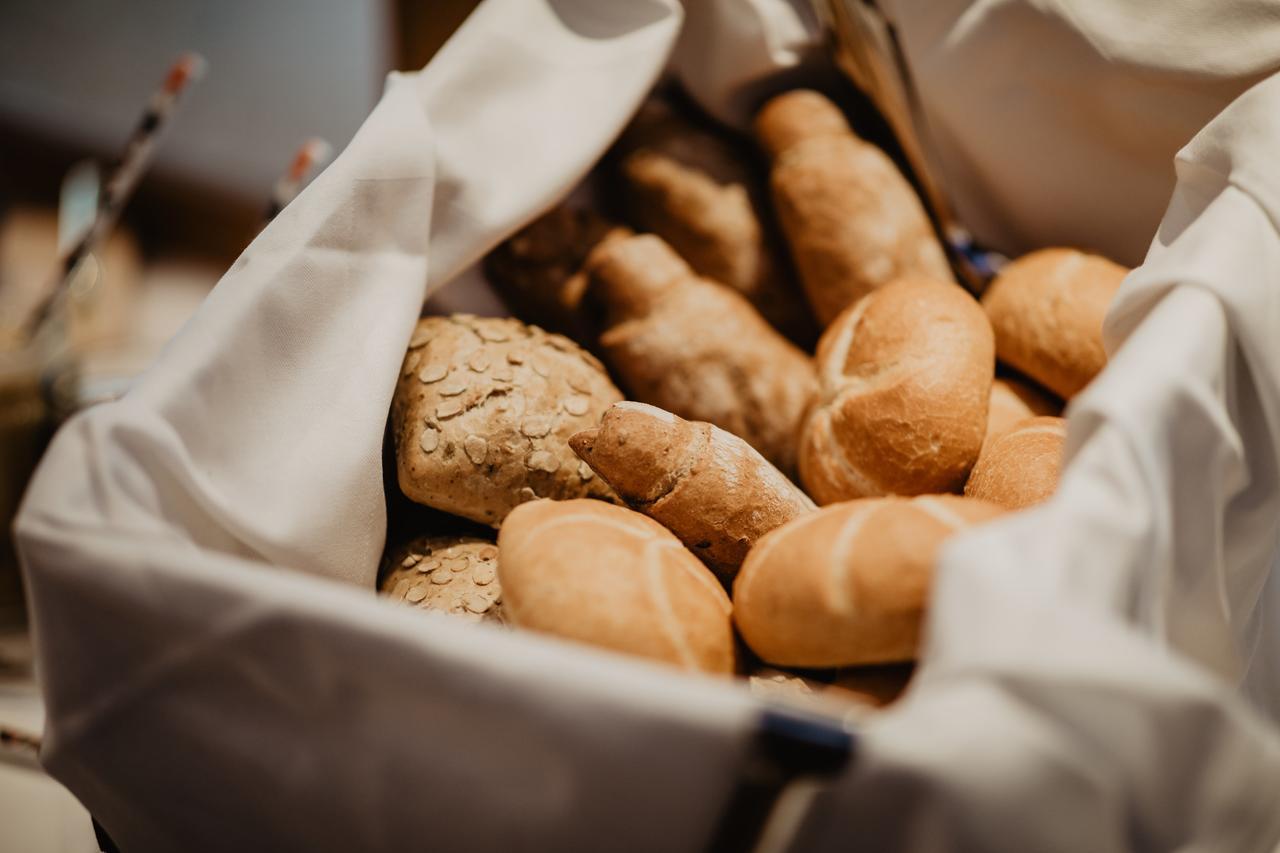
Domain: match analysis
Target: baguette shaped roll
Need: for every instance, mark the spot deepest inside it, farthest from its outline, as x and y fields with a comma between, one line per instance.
x=608, y=576
x=696, y=348
x=448, y=574
x=1013, y=401
x=538, y=271
x=1047, y=309
x=483, y=412
x=852, y=220
x=1021, y=467
x=849, y=584
x=708, y=487
x=905, y=378
x=700, y=193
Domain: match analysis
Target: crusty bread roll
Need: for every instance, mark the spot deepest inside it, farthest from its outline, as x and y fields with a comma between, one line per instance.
x=449, y=574
x=851, y=219
x=1047, y=309
x=708, y=487
x=538, y=271
x=1013, y=401
x=483, y=412
x=608, y=576
x=848, y=584
x=1021, y=467
x=700, y=193
x=697, y=348
x=905, y=376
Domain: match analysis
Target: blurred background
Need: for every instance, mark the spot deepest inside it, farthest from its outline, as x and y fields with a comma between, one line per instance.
x=75, y=79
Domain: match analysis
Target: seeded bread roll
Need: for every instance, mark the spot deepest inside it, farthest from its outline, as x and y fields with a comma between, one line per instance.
x=905, y=378
x=1021, y=467
x=853, y=222
x=702, y=194
x=538, y=271
x=849, y=584
x=1047, y=309
x=697, y=348
x=709, y=488
x=608, y=576
x=1013, y=401
x=449, y=574
x=483, y=412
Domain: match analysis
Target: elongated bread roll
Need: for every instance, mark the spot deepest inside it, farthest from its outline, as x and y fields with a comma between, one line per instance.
x=483, y=412
x=853, y=222
x=1013, y=401
x=1021, y=467
x=697, y=348
x=848, y=584
x=538, y=271
x=1047, y=309
x=708, y=487
x=605, y=575
x=905, y=376
x=704, y=196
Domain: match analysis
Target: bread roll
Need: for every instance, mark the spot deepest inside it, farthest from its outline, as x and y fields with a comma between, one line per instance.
x=709, y=488
x=848, y=584
x=483, y=412
x=608, y=576
x=905, y=378
x=1012, y=401
x=868, y=687
x=1047, y=310
x=852, y=220
x=701, y=194
x=1021, y=467
x=696, y=348
x=449, y=574
x=538, y=271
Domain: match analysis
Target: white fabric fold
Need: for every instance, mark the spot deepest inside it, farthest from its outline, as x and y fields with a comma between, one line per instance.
x=209, y=686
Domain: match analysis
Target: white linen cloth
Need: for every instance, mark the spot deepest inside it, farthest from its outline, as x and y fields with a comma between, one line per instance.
x=199, y=698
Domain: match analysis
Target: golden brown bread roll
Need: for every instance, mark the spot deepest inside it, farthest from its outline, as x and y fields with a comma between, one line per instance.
x=483, y=412
x=708, y=487
x=1047, y=309
x=538, y=271
x=1012, y=401
x=1021, y=467
x=697, y=348
x=905, y=376
x=700, y=193
x=449, y=574
x=848, y=584
x=605, y=575
x=851, y=219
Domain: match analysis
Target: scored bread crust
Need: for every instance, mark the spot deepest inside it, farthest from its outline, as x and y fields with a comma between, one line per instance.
x=710, y=488
x=849, y=584
x=1021, y=467
x=483, y=412
x=697, y=348
x=608, y=576
x=852, y=220
x=904, y=385
x=1047, y=310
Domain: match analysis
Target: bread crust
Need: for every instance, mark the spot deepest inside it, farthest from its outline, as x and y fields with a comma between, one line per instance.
x=1013, y=401
x=696, y=348
x=708, y=487
x=849, y=584
x=1021, y=468
x=904, y=385
x=851, y=219
x=483, y=411
x=611, y=577
x=446, y=574
x=1047, y=310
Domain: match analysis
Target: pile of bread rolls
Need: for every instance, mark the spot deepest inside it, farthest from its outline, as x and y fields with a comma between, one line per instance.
x=672, y=467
